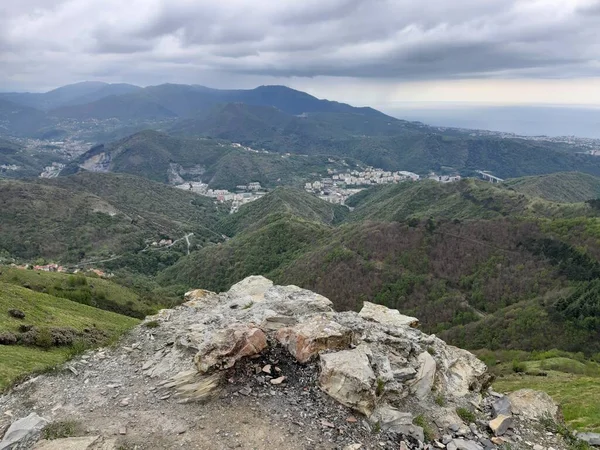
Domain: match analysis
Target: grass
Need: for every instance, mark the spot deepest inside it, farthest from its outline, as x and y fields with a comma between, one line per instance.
x=422, y=422
x=44, y=311
x=60, y=429
x=16, y=361
x=569, y=378
x=466, y=415
x=90, y=290
x=577, y=394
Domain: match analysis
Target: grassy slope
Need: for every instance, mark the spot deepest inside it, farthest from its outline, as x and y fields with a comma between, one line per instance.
x=567, y=187
x=42, y=310
x=103, y=294
x=572, y=381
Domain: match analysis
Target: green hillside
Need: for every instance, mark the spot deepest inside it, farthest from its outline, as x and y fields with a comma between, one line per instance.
x=281, y=202
x=566, y=187
x=167, y=159
x=454, y=255
x=88, y=290
x=51, y=329
x=98, y=216
x=464, y=200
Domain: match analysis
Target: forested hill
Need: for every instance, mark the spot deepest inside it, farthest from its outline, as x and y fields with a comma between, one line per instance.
x=567, y=187
x=98, y=215
x=499, y=258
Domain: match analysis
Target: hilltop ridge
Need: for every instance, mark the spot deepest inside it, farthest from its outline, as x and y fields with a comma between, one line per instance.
x=272, y=366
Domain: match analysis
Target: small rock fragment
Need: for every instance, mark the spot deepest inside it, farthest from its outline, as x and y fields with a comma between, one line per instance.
x=278, y=380
x=501, y=424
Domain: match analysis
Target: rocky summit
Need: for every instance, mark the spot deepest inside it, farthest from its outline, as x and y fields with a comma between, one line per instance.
x=273, y=367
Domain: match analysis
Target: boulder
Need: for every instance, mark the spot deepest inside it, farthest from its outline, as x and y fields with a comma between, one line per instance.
x=348, y=377
x=590, y=438
x=196, y=295
x=386, y=316
x=425, y=378
x=307, y=339
x=394, y=420
x=462, y=444
x=533, y=405
x=23, y=433
x=501, y=406
x=501, y=424
x=222, y=348
x=252, y=287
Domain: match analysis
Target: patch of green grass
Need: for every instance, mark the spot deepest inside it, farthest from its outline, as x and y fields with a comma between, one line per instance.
x=380, y=387
x=89, y=290
x=16, y=361
x=577, y=394
x=440, y=400
x=43, y=312
x=59, y=430
x=466, y=415
x=152, y=324
x=428, y=433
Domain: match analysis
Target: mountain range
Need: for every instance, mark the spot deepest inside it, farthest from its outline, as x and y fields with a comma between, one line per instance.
x=277, y=119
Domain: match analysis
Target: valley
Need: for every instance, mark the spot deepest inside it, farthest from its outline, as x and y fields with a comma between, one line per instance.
x=172, y=188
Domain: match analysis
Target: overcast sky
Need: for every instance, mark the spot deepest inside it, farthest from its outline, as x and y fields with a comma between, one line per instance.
x=363, y=51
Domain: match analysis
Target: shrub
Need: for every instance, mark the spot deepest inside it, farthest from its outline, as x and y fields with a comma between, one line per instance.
x=63, y=336
x=518, y=366
x=466, y=415
x=440, y=400
x=380, y=387
x=7, y=338
x=44, y=339
x=422, y=422
x=16, y=313
x=59, y=430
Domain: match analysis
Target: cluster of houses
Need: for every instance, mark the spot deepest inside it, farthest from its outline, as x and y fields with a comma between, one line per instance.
x=59, y=268
x=368, y=177
x=337, y=187
x=52, y=171
x=244, y=193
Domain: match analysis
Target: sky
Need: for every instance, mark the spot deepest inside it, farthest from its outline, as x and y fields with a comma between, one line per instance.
x=366, y=52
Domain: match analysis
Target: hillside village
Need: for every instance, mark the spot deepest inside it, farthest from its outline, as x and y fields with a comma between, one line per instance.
x=337, y=187
x=244, y=193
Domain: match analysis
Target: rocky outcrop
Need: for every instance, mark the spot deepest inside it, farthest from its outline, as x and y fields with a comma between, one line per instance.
x=379, y=377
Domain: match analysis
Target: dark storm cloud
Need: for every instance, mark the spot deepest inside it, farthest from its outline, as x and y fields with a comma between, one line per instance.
x=395, y=39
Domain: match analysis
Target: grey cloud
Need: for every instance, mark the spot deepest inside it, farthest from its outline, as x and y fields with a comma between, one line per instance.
x=395, y=39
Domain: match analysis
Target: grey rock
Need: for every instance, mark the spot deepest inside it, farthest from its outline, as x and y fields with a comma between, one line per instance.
x=396, y=421
x=487, y=444
x=347, y=376
x=501, y=406
x=425, y=377
x=463, y=444
x=386, y=316
x=23, y=433
x=532, y=405
x=590, y=438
